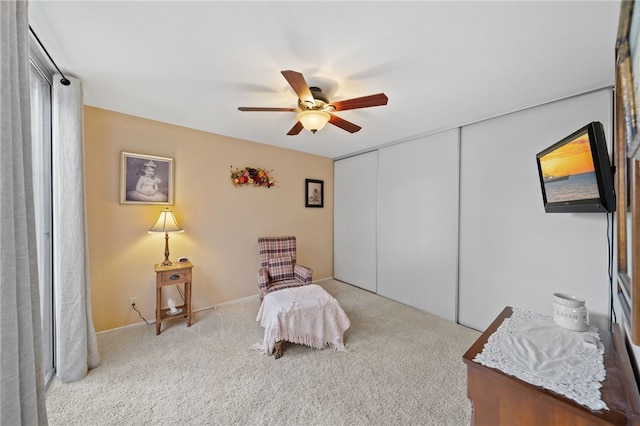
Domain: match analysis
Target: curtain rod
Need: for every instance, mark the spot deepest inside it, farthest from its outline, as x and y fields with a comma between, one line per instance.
x=64, y=79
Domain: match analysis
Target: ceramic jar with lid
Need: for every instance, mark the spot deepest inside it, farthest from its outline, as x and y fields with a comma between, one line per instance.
x=570, y=312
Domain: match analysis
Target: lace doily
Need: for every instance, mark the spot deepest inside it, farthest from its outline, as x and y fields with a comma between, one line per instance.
x=534, y=349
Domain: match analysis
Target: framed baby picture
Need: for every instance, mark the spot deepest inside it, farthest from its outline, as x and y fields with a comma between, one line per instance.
x=145, y=179
x=314, y=193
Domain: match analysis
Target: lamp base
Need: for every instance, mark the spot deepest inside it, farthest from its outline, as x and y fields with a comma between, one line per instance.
x=166, y=262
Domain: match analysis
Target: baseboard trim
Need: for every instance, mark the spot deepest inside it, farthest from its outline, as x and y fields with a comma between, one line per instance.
x=206, y=308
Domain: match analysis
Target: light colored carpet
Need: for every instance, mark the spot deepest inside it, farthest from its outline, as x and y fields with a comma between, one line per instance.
x=402, y=366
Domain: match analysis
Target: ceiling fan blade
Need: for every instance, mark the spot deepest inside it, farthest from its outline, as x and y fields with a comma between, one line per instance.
x=266, y=109
x=363, y=102
x=299, y=85
x=297, y=128
x=344, y=124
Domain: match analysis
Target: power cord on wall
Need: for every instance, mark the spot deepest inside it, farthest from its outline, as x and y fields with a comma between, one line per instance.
x=133, y=305
x=610, y=265
x=180, y=293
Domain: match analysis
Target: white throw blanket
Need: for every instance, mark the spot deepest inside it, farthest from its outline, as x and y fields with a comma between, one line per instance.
x=307, y=315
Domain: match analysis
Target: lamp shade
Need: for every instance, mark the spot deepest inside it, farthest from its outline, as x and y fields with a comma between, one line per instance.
x=313, y=120
x=166, y=223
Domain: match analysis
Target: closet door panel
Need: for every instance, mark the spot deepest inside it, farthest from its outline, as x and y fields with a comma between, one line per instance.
x=418, y=223
x=354, y=232
x=512, y=253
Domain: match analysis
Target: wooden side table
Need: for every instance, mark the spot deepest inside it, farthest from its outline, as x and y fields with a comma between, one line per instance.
x=177, y=273
x=500, y=399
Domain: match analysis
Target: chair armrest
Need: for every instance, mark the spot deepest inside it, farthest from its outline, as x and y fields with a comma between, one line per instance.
x=263, y=279
x=302, y=273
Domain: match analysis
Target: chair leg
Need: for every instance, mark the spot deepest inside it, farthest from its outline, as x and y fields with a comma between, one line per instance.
x=277, y=353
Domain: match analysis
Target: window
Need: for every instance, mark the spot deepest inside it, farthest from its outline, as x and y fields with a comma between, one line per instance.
x=41, y=155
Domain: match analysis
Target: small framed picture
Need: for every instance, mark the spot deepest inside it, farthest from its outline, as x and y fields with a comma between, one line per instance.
x=146, y=179
x=314, y=193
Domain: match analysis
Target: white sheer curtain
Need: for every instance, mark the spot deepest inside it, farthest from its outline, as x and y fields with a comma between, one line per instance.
x=21, y=374
x=76, y=344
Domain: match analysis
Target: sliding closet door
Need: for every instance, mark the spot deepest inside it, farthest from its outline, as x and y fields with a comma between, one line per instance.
x=418, y=223
x=355, y=201
x=512, y=253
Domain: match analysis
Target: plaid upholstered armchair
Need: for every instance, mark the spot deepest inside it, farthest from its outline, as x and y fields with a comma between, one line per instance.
x=278, y=267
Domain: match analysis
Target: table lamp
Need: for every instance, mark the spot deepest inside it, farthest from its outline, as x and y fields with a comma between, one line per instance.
x=166, y=223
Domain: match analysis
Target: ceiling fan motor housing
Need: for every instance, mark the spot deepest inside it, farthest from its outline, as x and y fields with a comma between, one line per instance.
x=321, y=102
x=316, y=92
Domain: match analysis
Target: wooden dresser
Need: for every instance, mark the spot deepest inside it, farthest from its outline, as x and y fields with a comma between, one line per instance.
x=501, y=399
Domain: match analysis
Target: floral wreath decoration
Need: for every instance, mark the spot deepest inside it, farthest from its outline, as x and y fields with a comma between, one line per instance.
x=251, y=176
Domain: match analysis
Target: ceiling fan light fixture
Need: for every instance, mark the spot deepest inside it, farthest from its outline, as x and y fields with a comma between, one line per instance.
x=313, y=120
x=314, y=109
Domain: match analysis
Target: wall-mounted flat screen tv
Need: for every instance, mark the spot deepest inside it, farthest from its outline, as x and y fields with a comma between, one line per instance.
x=576, y=175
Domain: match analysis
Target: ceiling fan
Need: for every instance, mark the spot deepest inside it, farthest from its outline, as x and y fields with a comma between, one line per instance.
x=314, y=109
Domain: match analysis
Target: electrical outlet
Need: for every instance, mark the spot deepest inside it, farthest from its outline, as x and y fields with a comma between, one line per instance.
x=133, y=301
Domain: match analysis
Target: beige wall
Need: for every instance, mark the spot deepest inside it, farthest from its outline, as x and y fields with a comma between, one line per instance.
x=222, y=222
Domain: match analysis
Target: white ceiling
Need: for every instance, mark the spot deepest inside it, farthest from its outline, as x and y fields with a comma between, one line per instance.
x=442, y=64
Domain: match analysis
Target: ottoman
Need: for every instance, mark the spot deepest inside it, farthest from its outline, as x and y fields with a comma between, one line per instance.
x=307, y=315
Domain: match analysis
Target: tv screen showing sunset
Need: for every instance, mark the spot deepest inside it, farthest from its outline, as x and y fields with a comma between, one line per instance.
x=568, y=172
